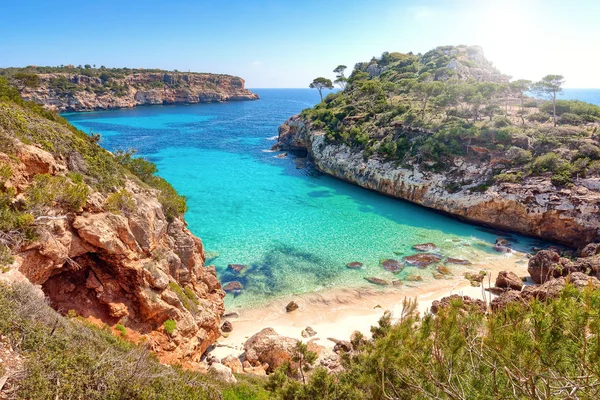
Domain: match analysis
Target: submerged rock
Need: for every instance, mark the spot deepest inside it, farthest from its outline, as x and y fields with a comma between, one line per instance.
x=394, y=266
x=227, y=327
x=459, y=261
x=377, y=281
x=237, y=267
x=282, y=155
x=354, y=265
x=422, y=260
x=413, y=278
x=308, y=332
x=234, y=286
x=444, y=270
x=425, y=247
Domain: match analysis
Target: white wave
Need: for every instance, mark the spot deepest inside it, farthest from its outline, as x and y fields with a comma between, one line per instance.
x=273, y=137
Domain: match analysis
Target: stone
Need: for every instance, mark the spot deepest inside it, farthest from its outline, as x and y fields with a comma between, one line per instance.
x=451, y=260
x=236, y=267
x=437, y=275
x=509, y=280
x=233, y=363
x=117, y=310
x=505, y=298
x=544, y=265
x=413, y=278
x=291, y=306
x=354, y=265
x=267, y=346
x=341, y=346
x=397, y=282
x=222, y=373
x=502, y=242
x=232, y=314
x=308, y=332
x=282, y=155
x=502, y=249
x=466, y=303
x=422, y=260
x=590, y=250
x=227, y=327
x=444, y=270
x=425, y=247
x=234, y=286
x=394, y=266
x=475, y=277
x=377, y=281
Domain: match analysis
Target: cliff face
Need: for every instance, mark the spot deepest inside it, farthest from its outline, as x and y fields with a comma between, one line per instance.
x=75, y=92
x=111, y=256
x=532, y=207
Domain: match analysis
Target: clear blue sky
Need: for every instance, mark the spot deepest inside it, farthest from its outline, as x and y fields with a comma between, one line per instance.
x=287, y=43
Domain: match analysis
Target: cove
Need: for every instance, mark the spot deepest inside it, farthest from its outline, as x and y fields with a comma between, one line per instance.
x=295, y=229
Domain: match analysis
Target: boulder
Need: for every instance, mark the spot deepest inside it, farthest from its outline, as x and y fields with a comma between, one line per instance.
x=459, y=261
x=425, y=247
x=222, y=373
x=552, y=287
x=341, y=345
x=234, y=286
x=505, y=298
x=267, y=346
x=394, y=266
x=227, y=327
x=413, y=278
x=308, y=332
x=233, y=363
x=590, y=250
x=544, y=265
x=422, y=260
x=444, y=270
x=292, y=306
x=509, y=280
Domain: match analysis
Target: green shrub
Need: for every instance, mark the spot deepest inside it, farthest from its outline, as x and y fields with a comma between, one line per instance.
x=593, y=168
x=170, y=326
x=538, y=117
x=47, y=190
x=570, y=119
x=549, y=162
x=509, y=177
x=120, y=202
x=501, y=122
x=121, y=329
x=6, y=257
x=590, y=151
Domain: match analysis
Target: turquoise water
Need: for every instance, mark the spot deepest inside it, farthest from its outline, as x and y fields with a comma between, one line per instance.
x=296, y=229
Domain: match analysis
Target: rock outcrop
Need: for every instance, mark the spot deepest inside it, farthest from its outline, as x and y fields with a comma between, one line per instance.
x=268, y=347
x=533, y=207
x=84, y=93
x=132, y=266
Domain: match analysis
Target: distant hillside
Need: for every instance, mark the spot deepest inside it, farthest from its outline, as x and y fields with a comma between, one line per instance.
x=85, y=88
x=448, y=131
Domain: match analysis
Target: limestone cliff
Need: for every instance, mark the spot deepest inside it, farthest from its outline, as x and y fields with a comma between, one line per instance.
x=98, y=240
x=74, y=91
x=570, y=215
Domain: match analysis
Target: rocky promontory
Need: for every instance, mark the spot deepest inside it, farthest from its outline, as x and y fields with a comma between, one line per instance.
x=101, y=242
x=74, y=89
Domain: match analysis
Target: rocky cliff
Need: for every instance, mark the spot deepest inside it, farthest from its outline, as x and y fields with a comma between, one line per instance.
x=98, y=90
x=570, y=215
x=100, y=242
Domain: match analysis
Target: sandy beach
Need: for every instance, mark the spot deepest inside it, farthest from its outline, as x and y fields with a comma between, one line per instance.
x=337, y=313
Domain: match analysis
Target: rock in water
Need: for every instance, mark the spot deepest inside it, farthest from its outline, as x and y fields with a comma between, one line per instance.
x=236, y=267
x=425, y=247
x=377, y=281
x=234, y=286
x=451, y=260
x=292, y=306
x=444, y=270
x=422, y=260
x=354, y=265
x=509, y=280
x=413, y=278
x=394, y=266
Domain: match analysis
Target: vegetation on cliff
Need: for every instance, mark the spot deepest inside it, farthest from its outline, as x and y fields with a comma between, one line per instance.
x=452, y=103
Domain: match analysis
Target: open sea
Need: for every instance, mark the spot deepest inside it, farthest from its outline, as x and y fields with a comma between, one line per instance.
x=296, y=229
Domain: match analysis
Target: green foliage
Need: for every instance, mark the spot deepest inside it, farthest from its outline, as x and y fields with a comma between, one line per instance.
x=538, y=117
x=187, y=296
x=170, y=326
x=120, y=202
x=6, y=257
x=570, y=119
x=121, y=329
x=47, y=191
x=27, y=79
x=588, y=112
x=509, y=177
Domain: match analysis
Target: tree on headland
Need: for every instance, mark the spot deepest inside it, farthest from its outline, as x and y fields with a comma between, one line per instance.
x=519, y=87
x=549, y=86
x=321, y=83
x=340, y=77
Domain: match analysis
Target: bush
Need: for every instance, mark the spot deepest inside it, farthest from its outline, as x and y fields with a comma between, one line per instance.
x=570, y=119
x=120, y=202
x=170, y=326
x=47, y=190
x=509, y=177
x=549, y=162
x=518, y=155
x=538, y=117
x=590, y=151
x=501, y=122
x=121, y=329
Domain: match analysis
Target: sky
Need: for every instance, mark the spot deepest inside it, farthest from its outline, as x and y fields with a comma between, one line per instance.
x=284, y=43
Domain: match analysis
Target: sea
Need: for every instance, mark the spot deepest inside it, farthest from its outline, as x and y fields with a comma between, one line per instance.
x=295, y=229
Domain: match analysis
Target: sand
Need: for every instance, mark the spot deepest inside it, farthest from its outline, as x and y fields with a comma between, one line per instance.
x=337, y=313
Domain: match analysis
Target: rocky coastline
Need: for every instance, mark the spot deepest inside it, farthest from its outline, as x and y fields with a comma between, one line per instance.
x=88, y=93
x=533, y=207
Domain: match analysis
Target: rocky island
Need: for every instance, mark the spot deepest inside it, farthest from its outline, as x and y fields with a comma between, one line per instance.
x=446, y=130
x=85, y=88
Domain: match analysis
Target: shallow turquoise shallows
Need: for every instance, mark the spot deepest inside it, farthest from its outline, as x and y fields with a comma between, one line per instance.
x=296, y=229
